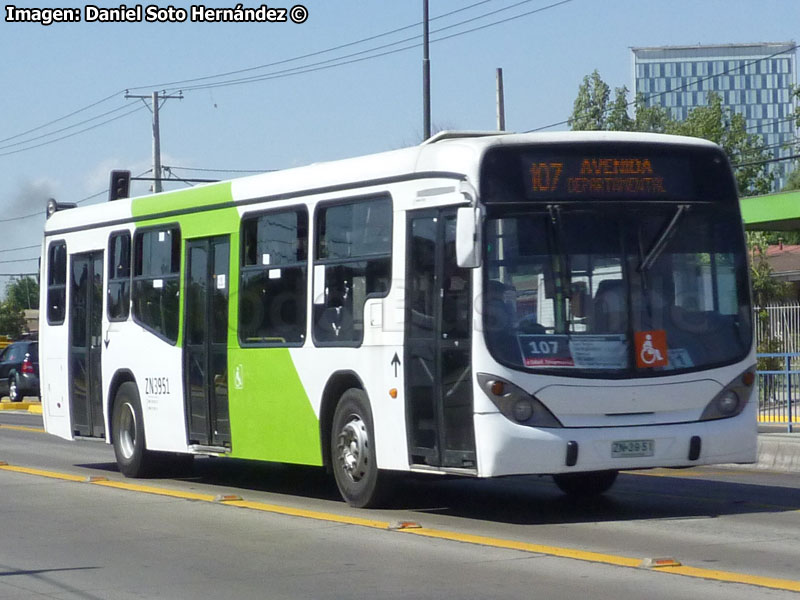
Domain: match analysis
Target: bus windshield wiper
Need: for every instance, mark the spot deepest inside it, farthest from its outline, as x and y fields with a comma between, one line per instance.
x=561, y=271
x=662, y=240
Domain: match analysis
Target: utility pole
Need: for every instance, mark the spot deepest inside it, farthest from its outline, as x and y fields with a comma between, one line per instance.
x=155, y=98
x=426, y=74
x=501, y=102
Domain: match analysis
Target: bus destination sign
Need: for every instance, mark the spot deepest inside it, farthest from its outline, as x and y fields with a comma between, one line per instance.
x=583, y=176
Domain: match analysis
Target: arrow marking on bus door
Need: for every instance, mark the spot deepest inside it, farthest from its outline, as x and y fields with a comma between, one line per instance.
x=395, y=363
x=107, y=340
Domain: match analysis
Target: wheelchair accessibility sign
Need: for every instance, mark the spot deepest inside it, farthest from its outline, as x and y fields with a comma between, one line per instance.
x=651, y=348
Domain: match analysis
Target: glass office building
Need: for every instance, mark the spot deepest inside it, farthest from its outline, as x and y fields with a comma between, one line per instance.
x=754, y=80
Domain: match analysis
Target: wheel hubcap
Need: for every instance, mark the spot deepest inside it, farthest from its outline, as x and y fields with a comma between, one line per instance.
x=12, y=390
x=353, y=446
x=127, y=431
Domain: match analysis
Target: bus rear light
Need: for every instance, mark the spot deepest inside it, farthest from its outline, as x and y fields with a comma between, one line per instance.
x=516, y=404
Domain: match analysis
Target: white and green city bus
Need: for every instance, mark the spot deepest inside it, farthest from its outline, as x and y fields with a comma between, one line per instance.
x=568, y=304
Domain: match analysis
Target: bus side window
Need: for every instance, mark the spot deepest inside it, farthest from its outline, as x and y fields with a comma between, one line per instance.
x=272, y=304
x=354, y=244
x=56, y=283
x=156, y=280
x=119, y=276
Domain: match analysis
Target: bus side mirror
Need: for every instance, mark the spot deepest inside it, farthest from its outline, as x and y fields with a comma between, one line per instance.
x=468, y=237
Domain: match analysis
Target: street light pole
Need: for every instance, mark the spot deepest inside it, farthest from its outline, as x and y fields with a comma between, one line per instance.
x=426, y=74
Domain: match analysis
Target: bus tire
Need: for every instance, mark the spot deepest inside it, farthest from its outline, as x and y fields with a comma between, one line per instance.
x=127, y=426
x=353, y=450
x=591, y=483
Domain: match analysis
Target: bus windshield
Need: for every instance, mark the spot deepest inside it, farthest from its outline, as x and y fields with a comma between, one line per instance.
x=616, y=289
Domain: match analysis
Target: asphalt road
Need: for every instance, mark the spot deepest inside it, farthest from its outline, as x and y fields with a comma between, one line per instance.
x=734, y=532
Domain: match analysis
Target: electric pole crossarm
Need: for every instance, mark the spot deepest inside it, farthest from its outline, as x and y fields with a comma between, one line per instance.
x=156, y=133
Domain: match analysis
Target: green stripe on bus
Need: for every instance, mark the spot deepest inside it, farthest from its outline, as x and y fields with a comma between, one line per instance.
x=204, y=196
x=271, y=415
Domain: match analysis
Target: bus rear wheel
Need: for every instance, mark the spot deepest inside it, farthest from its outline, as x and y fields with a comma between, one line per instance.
x=127, y=426
x=591, y=483
x=353, y=451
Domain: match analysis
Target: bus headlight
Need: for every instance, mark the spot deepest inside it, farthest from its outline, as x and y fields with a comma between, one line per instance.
x=732, y=399
x=515, y=403
x=523, y=410
x=728, y=403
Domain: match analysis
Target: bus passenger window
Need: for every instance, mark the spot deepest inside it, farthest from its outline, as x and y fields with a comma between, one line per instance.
x=119, y=276
x=354, y=245
x=156, y=280
x=272, y=300
x=56, y=283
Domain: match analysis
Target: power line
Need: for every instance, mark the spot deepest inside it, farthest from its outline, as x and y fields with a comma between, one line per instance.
x=45, y=135
x=310, y=54
x=72, y=134
x=5, y=262
x=73, y=113
x=285, y=73
x=206, y=170
x=21, y=248
x=766, y=160
x=292, y=59
x=326, y=64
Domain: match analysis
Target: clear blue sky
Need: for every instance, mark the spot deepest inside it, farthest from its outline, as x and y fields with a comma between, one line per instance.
x=363, y=107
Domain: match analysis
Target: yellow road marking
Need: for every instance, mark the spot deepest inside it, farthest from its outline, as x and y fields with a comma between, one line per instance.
x=42, y=473
x=597, y=557
x=556, y=551
x=310, y=514
x=148, y=489
x=729, y=577
x=22, y=428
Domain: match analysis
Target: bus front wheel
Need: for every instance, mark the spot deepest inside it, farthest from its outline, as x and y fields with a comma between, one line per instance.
x=127, y=425
x=592, y=483
x=353, y=450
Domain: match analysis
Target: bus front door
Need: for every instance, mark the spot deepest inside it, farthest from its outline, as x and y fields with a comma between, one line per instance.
x=206, y=342
x=438, y=375
x=85, y=346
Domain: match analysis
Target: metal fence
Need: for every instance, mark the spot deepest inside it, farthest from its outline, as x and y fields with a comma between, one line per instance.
x=779, y=388
x=778, y=327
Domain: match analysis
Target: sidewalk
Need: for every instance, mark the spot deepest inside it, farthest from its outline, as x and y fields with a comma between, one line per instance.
x=778, y=450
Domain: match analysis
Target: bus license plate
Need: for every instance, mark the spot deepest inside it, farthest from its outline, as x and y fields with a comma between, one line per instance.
x=632, y=448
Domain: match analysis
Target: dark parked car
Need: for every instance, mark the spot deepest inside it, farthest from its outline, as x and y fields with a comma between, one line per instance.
x=19, y=370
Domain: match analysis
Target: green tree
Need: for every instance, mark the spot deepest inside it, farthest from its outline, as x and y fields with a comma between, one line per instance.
x=12, y=320
x=618, y=118
x=591, y=104
x=653, y=119
x=793, y=181
x=23, y=293
x=20, y=294
x=746, y=151
x=714, y=122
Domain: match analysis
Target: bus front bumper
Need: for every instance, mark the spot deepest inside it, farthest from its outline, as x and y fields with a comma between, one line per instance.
x=509, y=449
